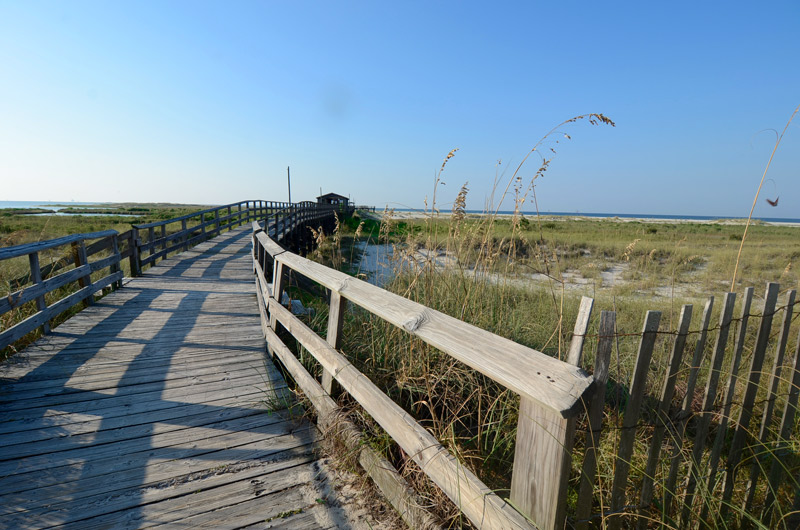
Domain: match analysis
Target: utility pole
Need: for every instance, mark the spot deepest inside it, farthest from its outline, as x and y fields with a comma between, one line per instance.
x=289, y=179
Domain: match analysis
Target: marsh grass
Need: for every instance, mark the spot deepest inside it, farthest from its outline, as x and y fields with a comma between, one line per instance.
x=481, y=270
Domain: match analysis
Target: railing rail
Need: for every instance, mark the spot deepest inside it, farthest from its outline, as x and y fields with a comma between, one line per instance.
x=74, y=265
x=551, y=390
x=44, y=284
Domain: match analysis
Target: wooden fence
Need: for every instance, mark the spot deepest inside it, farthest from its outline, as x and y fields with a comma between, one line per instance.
x=679, y=457
x=74, y=279
x=42, y=280
x=550, y=390
x=722, y=457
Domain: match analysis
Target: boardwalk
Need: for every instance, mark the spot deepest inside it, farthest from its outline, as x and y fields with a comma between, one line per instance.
x=155, y=407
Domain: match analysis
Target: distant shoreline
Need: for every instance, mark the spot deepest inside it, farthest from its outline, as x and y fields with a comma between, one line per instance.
x=622, y=218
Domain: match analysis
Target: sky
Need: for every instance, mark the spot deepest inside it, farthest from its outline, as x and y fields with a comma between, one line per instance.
x=210, y=102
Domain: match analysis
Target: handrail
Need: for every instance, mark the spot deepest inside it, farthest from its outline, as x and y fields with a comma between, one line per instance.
x=552, y=391
x=38, y=246
x=44, y=279
x=42, y=285
x=209, y=210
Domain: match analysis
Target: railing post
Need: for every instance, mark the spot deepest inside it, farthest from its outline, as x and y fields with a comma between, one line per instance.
x=543, y=455
x=79, y=250
x=36, y=275
x=115, y=266
x=216, y=221
x=136, y=268
x=278, y=281
x=151, y=236
x=228, y=222
x=184, y=236
x=335, y=319
x=163, y=241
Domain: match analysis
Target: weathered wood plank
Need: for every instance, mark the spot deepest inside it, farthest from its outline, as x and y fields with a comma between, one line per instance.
x=663, y=418
x=704, y=420
x=474, y=499
x=685, y=413
x=746, y=411
x=631, y=418
x=548, y=381
x=605, y=343
x=759, y=465
x=177, y=436
x=28, y=248
x=543, y=450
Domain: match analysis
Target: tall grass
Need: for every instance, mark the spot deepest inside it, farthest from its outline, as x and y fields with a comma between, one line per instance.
x=480, y=268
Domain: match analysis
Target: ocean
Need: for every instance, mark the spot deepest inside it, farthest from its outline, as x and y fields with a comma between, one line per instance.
x=64, y=204
x=631, y=215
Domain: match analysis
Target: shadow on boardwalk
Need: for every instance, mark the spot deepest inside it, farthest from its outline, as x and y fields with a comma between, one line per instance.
x=155, y=407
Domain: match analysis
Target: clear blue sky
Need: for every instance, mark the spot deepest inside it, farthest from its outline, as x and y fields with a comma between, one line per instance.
x=209, y=102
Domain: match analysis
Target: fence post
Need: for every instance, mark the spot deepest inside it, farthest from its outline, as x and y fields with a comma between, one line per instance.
x=79, y=250
x=151, y=236
x=335, y=319
x=602, y=361
x=184, y=235
x=36, y=275
x=134, y=259
x=631, y=418
x=163, y=242
x=115, y=266
x=543, y=454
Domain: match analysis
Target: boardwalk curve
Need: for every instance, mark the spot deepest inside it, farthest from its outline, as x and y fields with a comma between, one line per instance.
x=155, y=407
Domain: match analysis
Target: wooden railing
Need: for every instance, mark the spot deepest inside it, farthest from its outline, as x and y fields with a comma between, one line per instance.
x=142, y=246
x=159, y=239
x=551, y=391
x=106, y=241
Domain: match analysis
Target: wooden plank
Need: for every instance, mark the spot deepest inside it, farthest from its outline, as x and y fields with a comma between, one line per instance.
x=77, y=425
x=759, y=464
x=575, y=351
x=733, y=378
x=704, y=420
x=169, y=504
x=631, y=418
x=543, y=451
x=392, y=485
x=548, y=381
x=478, y=503
x=21, y=329
x=111, y=405
x=101, y=495
x=782, y=447
x=663, y=419
x=92, y=374
x=36, y=276
x=207, y=443
x=39, y=289
x=605, y=342
x=686, y=409
x=335, y=321
x=129, y=432
x=124, y=384
x=79, y=250
x=38, y=246
x=746, y=412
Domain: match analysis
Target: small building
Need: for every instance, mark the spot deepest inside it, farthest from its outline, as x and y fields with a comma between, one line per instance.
x=334, y=199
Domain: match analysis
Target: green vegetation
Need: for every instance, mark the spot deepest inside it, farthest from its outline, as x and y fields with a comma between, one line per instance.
x=522, y=278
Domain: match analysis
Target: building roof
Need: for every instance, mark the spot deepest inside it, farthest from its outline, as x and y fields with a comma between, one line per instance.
x=332, y=196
